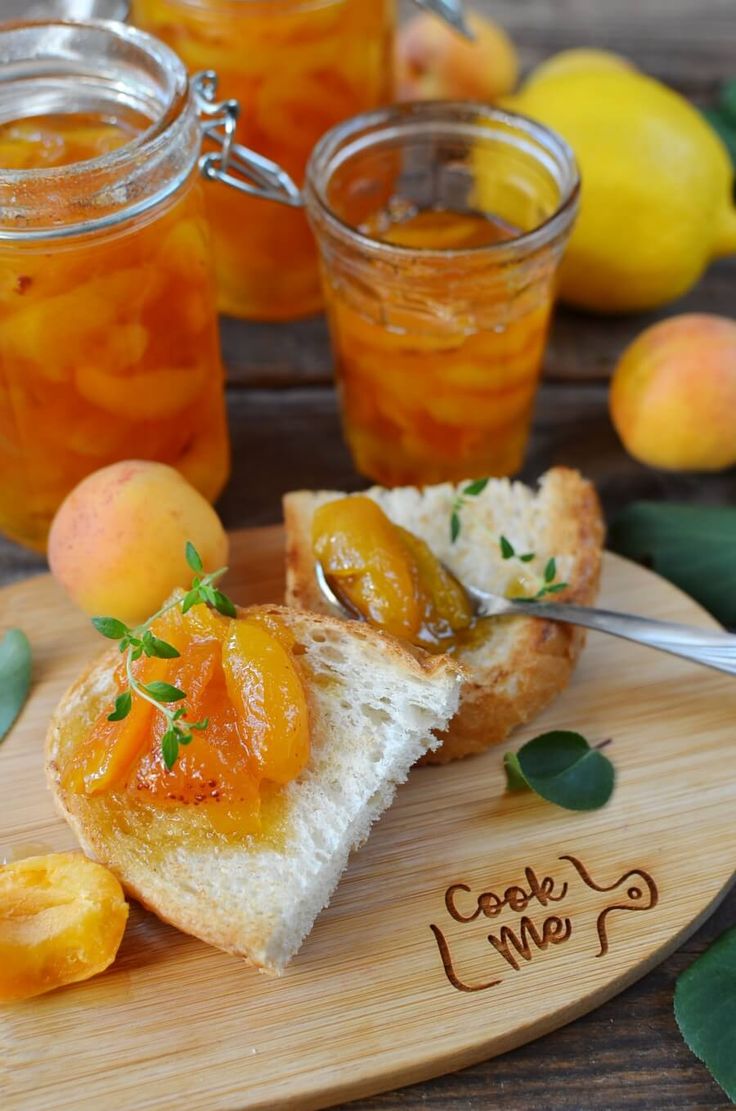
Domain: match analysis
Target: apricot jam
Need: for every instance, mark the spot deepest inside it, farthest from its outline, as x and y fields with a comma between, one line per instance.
x=387, y=576
x=42, y=141
x=428, y=395
x=297, y=67
x=108, y=341
x=239, y=675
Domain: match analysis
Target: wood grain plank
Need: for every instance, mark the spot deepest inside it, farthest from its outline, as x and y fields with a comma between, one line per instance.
x=95, y=1044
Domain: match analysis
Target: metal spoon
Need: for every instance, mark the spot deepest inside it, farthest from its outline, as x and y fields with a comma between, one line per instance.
x=712, y=649
x=452, y=12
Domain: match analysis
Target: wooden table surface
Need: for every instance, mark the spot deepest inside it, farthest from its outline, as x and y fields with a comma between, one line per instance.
x=285, y=432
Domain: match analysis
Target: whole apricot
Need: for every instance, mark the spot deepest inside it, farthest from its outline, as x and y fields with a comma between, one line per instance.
x=117, y=543
x=433, y=62
x=673, y=394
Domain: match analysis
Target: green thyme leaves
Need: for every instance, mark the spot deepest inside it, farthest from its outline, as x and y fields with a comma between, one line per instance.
x=471, y=490
x=15, y=677
x=123, y=706
x=193, y=558
x=562, y=768
x=141, y=641
x=549, y=586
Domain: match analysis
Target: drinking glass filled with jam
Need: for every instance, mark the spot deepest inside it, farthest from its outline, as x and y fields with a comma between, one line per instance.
x=440, y=228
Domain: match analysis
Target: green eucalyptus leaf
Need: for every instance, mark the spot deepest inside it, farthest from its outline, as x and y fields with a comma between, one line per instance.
x=194, y=559
x=562, y=768
x=164, y=692
x=514, y=776
x=527, y=557
x=723, y=117
x=15, y=676
x=550, y=570
x=705, y=1010
x=110, y=627
x=694, y=546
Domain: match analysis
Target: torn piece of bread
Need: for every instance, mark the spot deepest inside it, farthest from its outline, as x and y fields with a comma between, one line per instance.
x=374, y=708
x=519, y=667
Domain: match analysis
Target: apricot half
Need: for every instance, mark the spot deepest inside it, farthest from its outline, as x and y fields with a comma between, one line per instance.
x=62, y=918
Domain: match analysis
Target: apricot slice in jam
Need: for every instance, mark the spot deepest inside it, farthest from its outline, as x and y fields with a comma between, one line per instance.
x=367, y=562
x=266, y=690
x=112, y=746
x=387, y=575
x=240, y=676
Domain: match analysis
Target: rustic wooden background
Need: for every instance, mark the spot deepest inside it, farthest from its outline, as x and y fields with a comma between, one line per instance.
x=285, y=432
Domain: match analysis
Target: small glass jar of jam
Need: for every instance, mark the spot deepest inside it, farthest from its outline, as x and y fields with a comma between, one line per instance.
x=297, y=67
x=108, y=334
x=440, y=228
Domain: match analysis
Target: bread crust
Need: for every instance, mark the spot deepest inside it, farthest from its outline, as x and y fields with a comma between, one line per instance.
x=543, y=654
x=170, y=890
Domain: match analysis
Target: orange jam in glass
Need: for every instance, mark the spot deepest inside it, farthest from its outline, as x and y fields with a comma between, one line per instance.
x=440, y=228
x=297, y=67
x=242, y=677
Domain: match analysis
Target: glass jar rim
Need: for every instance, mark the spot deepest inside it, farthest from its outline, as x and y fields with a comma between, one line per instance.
x=162, y=53
x=173, y=80
x=370, y=128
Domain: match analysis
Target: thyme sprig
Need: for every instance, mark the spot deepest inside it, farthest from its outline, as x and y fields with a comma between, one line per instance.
x=549, y=575
x=138, y=641
x=477, y=486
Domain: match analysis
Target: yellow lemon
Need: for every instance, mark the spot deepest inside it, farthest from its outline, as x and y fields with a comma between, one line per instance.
x=582, y=59
x=656, y=203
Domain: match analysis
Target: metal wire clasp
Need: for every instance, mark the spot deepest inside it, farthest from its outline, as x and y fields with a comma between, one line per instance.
x=234, y=164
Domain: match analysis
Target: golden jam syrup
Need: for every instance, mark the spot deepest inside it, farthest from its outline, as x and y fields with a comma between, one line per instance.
x=108, y=341
x=38, y=142
x=433, y=393
x=297, y=69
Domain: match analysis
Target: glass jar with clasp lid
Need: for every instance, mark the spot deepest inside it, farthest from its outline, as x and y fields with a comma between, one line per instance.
x=108, y=332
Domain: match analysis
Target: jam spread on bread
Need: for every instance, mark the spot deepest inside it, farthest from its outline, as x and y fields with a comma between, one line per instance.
x=240, y=675
x=388, y=576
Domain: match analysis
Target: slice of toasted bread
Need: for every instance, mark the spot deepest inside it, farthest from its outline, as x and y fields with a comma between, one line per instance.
x=521, y=665
x=373, y=709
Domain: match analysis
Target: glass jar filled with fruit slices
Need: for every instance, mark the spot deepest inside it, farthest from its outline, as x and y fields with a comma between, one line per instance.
x=297, y=67
x=108, y=331
x=441, y=226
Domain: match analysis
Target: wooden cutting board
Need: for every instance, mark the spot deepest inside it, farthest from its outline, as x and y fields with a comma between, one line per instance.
x=403, y=977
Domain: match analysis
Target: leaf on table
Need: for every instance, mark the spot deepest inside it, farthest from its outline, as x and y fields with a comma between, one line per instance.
x=693, y=546
x=15, y=676
x=705, y=1009
x=723, y=117
x=562, y=768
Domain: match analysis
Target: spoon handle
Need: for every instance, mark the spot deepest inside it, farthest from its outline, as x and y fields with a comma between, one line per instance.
x=710, y=648
x=451, y=11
